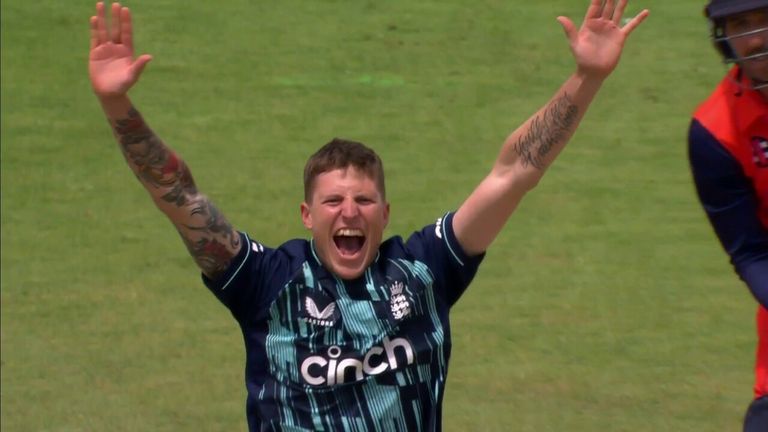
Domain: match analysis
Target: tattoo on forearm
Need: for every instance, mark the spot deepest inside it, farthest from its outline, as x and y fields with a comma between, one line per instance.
x=211, y=243
x=155, y=163
x=546, y=130
x=208, y=235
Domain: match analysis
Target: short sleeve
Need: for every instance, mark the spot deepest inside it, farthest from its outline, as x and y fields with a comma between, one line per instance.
x=436, y=245
x=248, y=286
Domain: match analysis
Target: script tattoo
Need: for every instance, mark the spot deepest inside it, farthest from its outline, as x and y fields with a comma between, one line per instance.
x=209, y=237
x=546, y=130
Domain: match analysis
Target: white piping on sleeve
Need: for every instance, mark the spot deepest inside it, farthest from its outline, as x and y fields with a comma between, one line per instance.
x=445, y=238
x=247, y=254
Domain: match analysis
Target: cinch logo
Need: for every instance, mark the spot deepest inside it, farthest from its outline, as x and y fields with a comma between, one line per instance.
x=318, y=370
x=317, y=316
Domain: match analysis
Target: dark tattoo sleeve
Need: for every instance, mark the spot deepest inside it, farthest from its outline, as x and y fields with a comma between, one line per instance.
x=215, y=240
x=156, y=164
x=546, y=130
x=208, y=235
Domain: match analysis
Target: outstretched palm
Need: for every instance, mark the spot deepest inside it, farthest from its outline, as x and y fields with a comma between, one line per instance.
x=111, y=65
x=597, y=45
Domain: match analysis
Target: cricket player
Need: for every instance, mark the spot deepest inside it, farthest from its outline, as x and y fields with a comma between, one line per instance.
x=346, y=331
x=728, y=153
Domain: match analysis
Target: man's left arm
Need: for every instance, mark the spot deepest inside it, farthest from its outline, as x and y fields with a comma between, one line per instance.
x=532, y=147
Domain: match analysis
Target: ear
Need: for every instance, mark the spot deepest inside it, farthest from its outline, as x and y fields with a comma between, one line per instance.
x=306, y=216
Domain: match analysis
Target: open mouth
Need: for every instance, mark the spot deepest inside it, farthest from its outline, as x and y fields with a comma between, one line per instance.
x=349, y=241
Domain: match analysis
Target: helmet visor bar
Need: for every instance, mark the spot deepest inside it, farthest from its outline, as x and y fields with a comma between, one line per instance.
x=741, y=35
x=747, y=58
x=736, y=59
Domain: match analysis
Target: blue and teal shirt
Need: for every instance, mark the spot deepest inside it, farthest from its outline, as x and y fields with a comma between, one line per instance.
x=326, y=354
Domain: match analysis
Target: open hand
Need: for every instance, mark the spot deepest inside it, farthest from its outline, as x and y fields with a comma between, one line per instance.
x=597, y=45
x=111, y=65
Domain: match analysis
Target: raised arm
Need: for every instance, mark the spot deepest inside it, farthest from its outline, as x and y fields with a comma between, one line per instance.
x=532, y=147
x=113, y=70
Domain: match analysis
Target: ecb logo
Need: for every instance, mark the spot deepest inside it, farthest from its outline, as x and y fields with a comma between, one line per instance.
x=760, y=151
x=399, y=302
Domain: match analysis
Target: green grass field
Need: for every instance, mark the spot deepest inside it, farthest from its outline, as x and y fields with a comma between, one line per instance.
x=605, y=305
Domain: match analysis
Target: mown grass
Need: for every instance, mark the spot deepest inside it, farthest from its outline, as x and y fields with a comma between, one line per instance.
x=606, y=304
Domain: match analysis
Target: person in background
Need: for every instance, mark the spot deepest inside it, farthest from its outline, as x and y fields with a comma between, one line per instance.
x=728, y=154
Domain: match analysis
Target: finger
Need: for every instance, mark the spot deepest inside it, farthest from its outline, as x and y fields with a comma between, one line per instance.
x=619, y=12
x=101, y=27
x=126, y=28
x=115, y=23
x=138, y=65
x=94, y=32
x=568, y=27
x=593, y=11
x=607, y=9
x=634, y=22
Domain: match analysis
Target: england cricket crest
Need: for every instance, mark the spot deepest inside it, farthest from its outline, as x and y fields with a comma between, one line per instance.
x=760, y=151
x=399, y=302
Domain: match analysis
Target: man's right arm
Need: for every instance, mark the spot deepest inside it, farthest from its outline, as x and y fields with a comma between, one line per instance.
x=209, y=237
x=731, y=206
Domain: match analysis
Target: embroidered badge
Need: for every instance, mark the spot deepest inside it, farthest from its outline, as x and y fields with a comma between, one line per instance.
x=399, y=302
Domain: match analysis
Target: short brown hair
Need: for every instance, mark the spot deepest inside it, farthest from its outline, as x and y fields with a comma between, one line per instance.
x=340, y=153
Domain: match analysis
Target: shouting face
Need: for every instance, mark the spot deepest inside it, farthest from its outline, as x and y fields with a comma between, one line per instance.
x=347, y=215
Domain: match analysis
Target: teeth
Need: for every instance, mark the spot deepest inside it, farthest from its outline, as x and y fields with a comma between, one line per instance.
x=349, y=232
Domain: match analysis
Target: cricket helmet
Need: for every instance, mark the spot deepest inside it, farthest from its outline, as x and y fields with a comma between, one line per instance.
x=717, y=10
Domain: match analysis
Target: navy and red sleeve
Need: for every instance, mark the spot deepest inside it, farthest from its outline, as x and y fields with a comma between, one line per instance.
x=730, y=201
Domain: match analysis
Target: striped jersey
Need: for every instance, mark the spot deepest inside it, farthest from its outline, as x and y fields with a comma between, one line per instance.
x=326, y=354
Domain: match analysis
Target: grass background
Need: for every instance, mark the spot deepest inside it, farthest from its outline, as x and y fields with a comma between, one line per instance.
x=605, y=304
